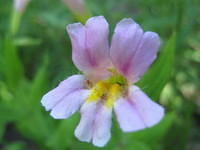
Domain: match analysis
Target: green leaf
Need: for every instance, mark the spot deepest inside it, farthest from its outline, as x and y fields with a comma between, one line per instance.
x=15, y=146
x=39, y=84
x=12, y=70
x=2, y=129
x=35, y=126
x=159, y=74
x=5, y=94
x=63, y=135
x=30, y=125
x=27, y=41
x=6, y=113
x=138, y=145
x=15, y=22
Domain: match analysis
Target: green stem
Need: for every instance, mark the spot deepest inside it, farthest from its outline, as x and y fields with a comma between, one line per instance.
x=15, y=22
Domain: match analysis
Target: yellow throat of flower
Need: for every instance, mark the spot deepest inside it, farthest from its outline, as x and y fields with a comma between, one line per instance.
x=108, y=91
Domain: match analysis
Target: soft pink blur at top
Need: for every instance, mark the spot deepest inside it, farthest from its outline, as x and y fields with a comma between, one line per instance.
x=76, y=6
x=20, y=5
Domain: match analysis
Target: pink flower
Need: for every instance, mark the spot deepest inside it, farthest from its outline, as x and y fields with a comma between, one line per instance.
x=107, y=83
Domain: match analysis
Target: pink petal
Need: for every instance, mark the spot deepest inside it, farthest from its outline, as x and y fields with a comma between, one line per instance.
x=132, y=50
x=103, y=122
x=127, y=116
x=150, y=112
x=84, y=130
x=95, y=124
x=137, y=111
x=77, y=33
x=67, y=86
x=124, y=44
x=90, y=44
x=69, y=105
x=97, y=31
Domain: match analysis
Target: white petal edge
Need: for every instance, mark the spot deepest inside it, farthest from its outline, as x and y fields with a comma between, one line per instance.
x=69, y=105
x=84, y=130
x=150, y=111
x=103, y=123
x=65, y=87
x=127, y=116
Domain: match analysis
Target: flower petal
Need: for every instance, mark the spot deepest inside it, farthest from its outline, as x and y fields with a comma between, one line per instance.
x=80, y=57
x=150, y=112
x=95, y=124
x=67, y=86
x=132, y=50
x=97, y=39
x=138, y=111
x=84, y=130
x=90, y=44
x=124, y=44
x=127, y=116
x=103, y=122
x=69, y=105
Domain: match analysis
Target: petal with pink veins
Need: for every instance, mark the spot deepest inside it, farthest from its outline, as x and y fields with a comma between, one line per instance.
x=132, y=50
x=144, y=56
x=71, y=84
x=126, y=38
x=90, y=45
x=137, y=111
x=150, y=111
x=127, y=116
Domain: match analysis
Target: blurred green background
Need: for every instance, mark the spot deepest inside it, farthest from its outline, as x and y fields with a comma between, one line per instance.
x=35, y=55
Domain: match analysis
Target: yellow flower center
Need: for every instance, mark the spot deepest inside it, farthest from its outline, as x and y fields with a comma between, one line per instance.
x=109, y=90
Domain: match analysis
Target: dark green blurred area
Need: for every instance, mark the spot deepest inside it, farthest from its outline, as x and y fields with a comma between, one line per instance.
x=38, y=57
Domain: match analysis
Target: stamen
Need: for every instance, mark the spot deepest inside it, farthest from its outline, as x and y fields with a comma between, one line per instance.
x=116, y=78
x=109, y=90
x=98, y=91
x=113, y=94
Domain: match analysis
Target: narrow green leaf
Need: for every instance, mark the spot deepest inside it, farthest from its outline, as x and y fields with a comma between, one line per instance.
x=12, y=67
x=15, y=22
x=15, y=146
x=27, y=41
x=29, y=127
x=35, y=126
x=39, y=84
x=154, y=81
x=63, y=135
x=2, y=129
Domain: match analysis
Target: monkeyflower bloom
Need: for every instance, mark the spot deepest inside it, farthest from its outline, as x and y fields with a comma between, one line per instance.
x=107, y=83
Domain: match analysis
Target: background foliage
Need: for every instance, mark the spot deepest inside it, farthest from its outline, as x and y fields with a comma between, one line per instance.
x=38, y=55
